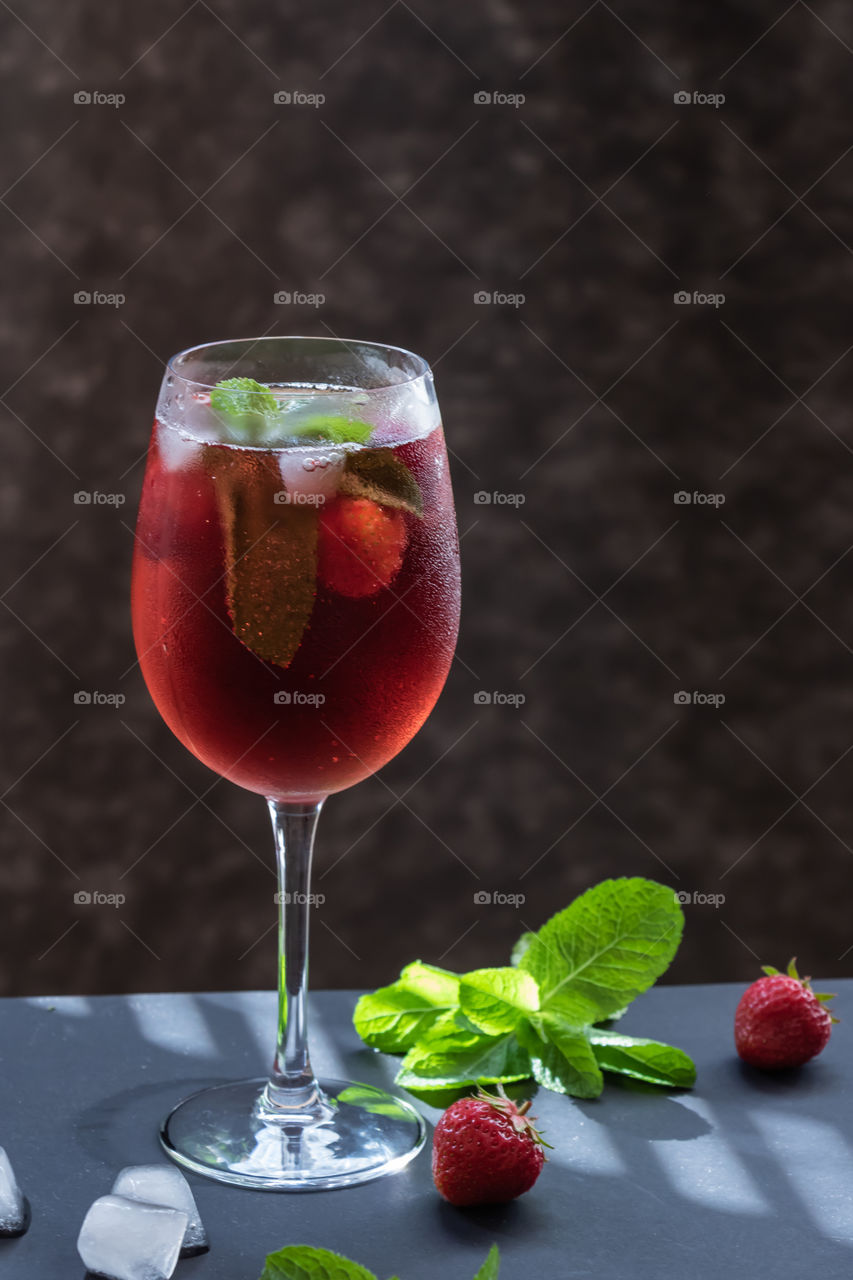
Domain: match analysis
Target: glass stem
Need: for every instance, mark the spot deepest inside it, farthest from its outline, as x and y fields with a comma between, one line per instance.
x=292, y=1085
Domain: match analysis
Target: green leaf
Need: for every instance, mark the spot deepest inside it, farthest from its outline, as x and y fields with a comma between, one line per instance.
x=332, y=427
x=396, y=1017
x=236, y=396
x=648, y=1060
x=491, y=1267
x=464, y=1059
x=521, y=947
x=610, y=944
x=302, y=1262
x=561, y=1057
x=496, y=999
x=379, y=474
x=244, y=405
x=270, y=556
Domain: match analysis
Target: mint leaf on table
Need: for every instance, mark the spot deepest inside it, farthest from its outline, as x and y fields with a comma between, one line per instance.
x=538, y=1017
x=395, y=1018
x=302, y=1262
x=647, y=1060
x=464, y=1059
x=607, y=947
x=520, y=948
x=561, y=1057
x=496, y=1000
x=491, y=1267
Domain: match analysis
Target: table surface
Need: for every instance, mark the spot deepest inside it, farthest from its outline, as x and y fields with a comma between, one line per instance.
x=747, y=1175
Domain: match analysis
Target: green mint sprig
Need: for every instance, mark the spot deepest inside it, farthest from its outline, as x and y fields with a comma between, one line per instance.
x=250, y=412
x=541, y=1017
x=301, y=1262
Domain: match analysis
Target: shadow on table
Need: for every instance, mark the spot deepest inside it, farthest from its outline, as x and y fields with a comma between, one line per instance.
x=640, y=1183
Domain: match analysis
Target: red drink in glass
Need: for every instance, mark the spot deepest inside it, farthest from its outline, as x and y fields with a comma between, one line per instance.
x=381, y=625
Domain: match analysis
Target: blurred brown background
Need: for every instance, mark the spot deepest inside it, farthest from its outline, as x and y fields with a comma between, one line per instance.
x=588, y=588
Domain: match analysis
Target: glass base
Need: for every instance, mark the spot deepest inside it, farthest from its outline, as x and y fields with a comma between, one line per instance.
x=346, y=1133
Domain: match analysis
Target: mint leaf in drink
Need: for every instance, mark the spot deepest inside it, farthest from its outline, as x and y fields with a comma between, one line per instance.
x=333, y=428
x=561, y=1057
x=244, y=406
x=608, y=946
x=496, y=1000
x=270, y=555
x=464, y=1058
x=647, y=1060
x=394, y=1018
x=491, y=1267
x=379, y=474
x=302, y=1262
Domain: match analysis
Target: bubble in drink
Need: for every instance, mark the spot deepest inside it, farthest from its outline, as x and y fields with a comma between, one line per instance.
x=14, y=1210
x=123, y=1239
x=163, y=1184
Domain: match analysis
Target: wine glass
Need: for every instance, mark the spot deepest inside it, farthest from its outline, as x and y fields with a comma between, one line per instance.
x=295, y=610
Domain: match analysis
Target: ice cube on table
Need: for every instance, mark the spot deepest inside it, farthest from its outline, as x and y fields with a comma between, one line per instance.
x=14, y=1210
x=164, y=1184
x=123, y=1239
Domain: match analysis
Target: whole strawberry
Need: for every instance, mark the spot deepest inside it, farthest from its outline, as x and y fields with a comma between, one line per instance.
x=360, y=546
x=780, y=1022
x=485, y=1150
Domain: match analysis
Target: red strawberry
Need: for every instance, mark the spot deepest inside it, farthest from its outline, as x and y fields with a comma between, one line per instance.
x=360, y=546
x=780, y=1022
x=485, y=1150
